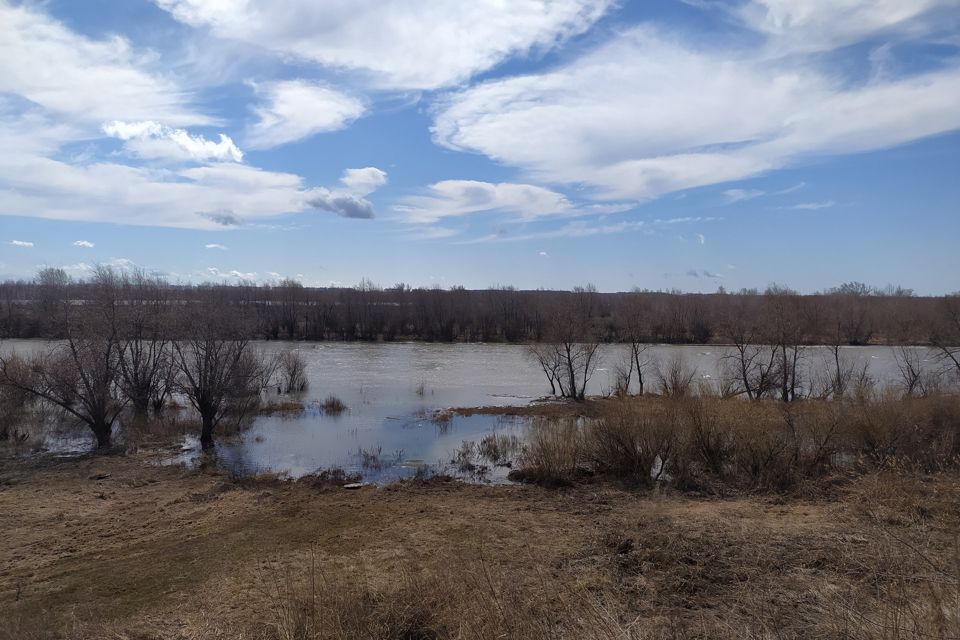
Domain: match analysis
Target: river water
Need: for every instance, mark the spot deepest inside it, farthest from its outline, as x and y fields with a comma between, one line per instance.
x=392, y=391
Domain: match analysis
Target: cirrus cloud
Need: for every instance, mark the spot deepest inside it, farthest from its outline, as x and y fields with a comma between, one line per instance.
x=646, y=114
x=399, y=44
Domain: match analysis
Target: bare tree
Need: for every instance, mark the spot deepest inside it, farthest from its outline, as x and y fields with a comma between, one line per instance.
x=145, y=351
x=785, y=328
x=220, y=372
x=635, y=333
x=80, y=376
x=548, y=357
x=946, y=335
x=753, y=361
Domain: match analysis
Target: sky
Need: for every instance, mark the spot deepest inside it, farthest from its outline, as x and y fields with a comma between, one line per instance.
x=536, y=143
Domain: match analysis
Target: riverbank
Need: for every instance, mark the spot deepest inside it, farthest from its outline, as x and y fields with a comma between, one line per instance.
x=114, y=547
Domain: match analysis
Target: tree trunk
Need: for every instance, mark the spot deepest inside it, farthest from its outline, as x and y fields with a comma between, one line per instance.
x=206, y=432
x=102, y=433
x=141, y=407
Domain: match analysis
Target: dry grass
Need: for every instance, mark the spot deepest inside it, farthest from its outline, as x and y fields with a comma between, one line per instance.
x=281, y=407
x=704, y=443
x=333, y=405
x=108, y=548
x=312, y=598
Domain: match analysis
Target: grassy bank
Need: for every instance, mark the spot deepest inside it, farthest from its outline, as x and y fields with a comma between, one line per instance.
x=716, y=445
x=112, y=547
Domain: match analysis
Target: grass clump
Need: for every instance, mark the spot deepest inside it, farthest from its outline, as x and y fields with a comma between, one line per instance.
x=312, y=598
x=333, y=405
x=710, y=443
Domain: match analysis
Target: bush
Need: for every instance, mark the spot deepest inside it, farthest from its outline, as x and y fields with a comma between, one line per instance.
x=702, y=443
x=333, y=405
x=631, y=446
x=292, y=372
x=675, y=379
x=554, y=452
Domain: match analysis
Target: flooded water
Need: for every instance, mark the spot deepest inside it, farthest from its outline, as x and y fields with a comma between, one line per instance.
x=393, y=390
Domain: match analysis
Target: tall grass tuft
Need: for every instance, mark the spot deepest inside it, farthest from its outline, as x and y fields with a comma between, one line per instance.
x=766, y=445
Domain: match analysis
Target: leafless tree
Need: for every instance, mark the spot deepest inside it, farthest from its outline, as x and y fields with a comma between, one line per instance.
x=946, y=335
x=81, y=376
x=751, y=359
x=785, y=327
x=574, y=343
x=548, y=358
x=146, y=358
x=635, y=333
x=220, y=373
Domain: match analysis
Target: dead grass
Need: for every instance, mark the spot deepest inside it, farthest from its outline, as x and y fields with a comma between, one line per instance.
x=99, y=548
x=333, y=405
x=713, y=444
x=281, y=407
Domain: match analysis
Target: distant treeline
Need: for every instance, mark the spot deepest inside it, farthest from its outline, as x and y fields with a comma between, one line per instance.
x=852, y=314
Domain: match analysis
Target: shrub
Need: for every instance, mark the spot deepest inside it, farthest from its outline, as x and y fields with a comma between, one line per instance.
x=632, y=446
x=292, y=372
x=675, y=379
x=554, y=452
x=333, y=405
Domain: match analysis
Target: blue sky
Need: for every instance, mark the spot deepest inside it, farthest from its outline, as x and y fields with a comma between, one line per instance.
x=539, y=143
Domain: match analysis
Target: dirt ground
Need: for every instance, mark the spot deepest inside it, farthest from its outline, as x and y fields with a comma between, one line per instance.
x=115, y=547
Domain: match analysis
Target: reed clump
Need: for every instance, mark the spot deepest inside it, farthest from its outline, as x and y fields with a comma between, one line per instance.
x=333, y=405
x=713, y=443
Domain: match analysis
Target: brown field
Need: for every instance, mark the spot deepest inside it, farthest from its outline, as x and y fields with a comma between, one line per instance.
x=114, y=547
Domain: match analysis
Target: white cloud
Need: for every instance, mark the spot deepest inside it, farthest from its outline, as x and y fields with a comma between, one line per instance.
x=452, y=198
x=293, y=110
x=738, y=195
x=80, y=268
x=214, y=272
x=89, y=80
x=201, y=197
x=21, y=243
x=701, y=239
x=413, y=44
x=584, y=229
x=816, y=25
x=826, y=204
x=363, y=181
x=646, y=114
x=37, y=179
x=430, y=233
x=215, y=245
x=152, y=140
x=543, y=254
x=83, y=243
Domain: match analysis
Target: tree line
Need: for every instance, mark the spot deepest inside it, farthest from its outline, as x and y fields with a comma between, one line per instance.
x=851, y=314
